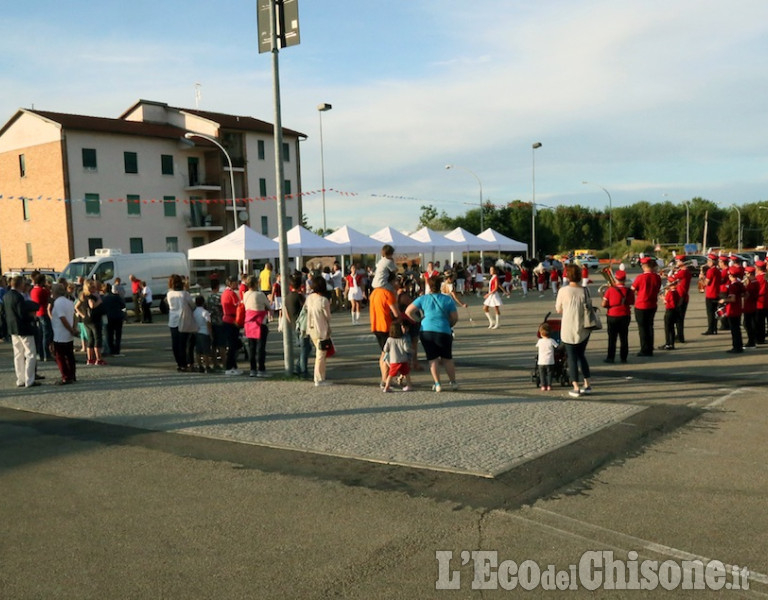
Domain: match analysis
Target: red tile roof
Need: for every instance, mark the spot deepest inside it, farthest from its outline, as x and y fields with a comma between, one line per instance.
x=85, y=123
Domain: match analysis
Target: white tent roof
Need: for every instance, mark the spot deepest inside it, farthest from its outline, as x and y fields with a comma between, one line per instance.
x=502, y=243
x=401, y=242
x=469, y=241
x=242, y=244
x=302, y=242
x=435, y=241
x=358, y=243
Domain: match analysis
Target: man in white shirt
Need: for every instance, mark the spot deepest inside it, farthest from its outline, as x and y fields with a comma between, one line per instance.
x=146, y=309
x=64, y=332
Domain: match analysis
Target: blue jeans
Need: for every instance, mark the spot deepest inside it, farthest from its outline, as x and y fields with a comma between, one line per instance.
x=576, y=354
x=304, y=345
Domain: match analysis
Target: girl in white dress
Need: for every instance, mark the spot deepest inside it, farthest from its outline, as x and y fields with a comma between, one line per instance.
x=492, y=299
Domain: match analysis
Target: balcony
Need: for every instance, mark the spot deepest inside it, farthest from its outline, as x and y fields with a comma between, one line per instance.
x=195, y=186
x=199, y=223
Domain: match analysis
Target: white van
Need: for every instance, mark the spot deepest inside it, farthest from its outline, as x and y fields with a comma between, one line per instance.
x=153, y=267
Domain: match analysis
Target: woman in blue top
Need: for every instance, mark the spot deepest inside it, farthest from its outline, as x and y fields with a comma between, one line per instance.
x=440, y=315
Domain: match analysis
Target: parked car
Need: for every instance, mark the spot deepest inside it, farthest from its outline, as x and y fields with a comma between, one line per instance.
x=49, y=273
x=589, y=260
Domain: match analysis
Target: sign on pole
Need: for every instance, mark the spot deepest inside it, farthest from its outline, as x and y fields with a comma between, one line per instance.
x=287, y=24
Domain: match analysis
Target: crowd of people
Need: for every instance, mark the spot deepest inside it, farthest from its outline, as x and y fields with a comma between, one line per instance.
x=407, y=307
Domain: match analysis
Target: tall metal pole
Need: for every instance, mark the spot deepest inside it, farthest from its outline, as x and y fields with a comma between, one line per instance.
x=190, y=135
x=321, y=108
x=480, y=184
x=533, y=203
x=610, y=216
x=281, y=233
x=738, y=232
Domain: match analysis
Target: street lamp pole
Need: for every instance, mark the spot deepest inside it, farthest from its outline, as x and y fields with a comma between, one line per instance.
x=321, y=108
x=534, y=146
x=610, y=216
x=189, y=135
x=480, y=184
x=738, y=232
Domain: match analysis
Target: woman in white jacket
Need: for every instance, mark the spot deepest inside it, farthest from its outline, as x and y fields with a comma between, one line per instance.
x=571, y=301
x=319, y=325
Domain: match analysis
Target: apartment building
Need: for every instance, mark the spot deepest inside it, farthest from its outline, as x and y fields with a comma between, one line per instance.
x=71, y=183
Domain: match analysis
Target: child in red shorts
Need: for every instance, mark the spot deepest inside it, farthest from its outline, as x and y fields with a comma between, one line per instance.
x=397, y=354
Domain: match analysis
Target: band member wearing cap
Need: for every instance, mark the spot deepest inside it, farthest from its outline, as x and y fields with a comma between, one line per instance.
x=617, y=301
x=671, y=314
x=734, y=295
x=762, y=302
x=711, y=293
x=646, y=287
x=751, y=291
x=682, y=275
x=722, y=264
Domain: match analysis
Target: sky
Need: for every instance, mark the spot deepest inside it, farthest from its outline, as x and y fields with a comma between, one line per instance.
x=653, y=100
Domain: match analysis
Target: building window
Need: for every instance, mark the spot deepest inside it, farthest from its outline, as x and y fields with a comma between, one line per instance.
x=92, y=205
x=286, y=152
x=89, y=159
x=262, y=152
x=22, y=166
x=29, y=253
x=131, y=160
x=287, y=187
x=25, y=208
x=263, y=188
x=166, y=164
x=133, y=201
x=94, y=244
x=169, y=206
x=137, y=245
x=288, y=222
x=171, y=244
x=264, y=226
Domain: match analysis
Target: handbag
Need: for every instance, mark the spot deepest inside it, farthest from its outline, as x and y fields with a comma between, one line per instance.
x=328, y=346
x=591, y=317
x=240, y=315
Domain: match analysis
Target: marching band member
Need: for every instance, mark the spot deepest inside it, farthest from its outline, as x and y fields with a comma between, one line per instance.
x=492, y=299
x=733, y=307
x=712, y=279
x=682, y=275
x=751, y=292
x=672, y=301
x=762, y=302
x=618, y=301
x=646, y=287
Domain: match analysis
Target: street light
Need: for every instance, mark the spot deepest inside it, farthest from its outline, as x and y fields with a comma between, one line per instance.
x=738, y=225
x=534, y=146
x=321, y=108
x=189, y=135
x=610, y=217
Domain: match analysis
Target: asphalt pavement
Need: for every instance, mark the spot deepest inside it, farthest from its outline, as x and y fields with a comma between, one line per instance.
x=356, y=490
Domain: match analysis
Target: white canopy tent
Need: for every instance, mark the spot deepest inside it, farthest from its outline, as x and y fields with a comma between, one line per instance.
x=434, y=241
x=401, y=242
x=469, y=241
x=502, y=243
x=241, y=245
x=302, y=242
x=358, y=243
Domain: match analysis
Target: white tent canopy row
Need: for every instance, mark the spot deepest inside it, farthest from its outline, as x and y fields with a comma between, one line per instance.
x=246, y=244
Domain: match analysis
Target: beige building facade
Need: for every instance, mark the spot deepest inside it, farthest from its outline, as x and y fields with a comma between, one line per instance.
x=70, y=183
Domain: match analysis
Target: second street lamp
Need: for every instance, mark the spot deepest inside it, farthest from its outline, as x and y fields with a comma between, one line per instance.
x=321, y=108
x=534, y=146
x=610, y=216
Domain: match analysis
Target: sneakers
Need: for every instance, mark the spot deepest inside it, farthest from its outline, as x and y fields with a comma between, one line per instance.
x=386, y=390
x=574, y=393
x=543, y=388
x=233, y=372
x=100, y=362
x=454, y=386
x=325, y=382
x=587, y=390
x=407, y=388
x=262, y=374
x=90, y=362
x=252, y=374
x=437, y=387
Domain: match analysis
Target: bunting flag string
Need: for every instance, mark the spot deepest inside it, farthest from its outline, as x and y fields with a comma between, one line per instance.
x=174, y=199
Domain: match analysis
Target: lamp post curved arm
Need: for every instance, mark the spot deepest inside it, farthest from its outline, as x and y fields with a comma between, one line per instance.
x=479, y=183
x=189, y=135
x=610, y=215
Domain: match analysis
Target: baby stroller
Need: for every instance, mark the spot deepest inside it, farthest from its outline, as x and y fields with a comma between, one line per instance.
x=560, y=368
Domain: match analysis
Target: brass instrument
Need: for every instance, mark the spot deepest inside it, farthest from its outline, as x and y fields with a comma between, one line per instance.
x=608, y=274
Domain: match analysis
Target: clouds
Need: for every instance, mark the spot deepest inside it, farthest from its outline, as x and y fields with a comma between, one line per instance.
x=643, y=97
